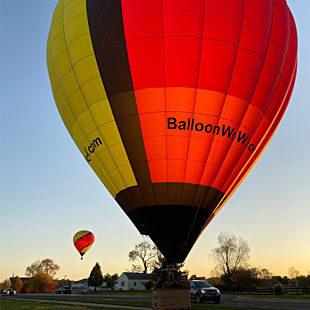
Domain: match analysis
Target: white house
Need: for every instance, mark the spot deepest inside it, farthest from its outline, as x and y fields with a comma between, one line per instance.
x=132, y=281
x=82, y=286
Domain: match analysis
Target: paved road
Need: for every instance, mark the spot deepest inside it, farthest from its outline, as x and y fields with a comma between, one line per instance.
x=280, y=303
x=294, y=304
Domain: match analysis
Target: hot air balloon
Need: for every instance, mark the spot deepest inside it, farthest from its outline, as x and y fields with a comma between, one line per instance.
x=83, y=241
x=171, y=102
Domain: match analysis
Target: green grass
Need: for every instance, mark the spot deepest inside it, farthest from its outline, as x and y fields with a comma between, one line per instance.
x=35, y=305
x=148, y=304
x=138, y=303
x=22, y=305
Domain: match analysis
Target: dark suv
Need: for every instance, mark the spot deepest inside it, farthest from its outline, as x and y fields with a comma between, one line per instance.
x=202, y=290
x=64, y=290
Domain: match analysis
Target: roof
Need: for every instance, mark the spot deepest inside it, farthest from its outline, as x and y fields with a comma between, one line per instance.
x=137, y=276
x=24, y=279
x=80, y=281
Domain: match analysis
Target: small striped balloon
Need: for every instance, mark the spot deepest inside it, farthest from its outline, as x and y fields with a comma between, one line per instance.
x=83, y=241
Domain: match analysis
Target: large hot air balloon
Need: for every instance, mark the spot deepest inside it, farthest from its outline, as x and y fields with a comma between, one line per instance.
x=83, y=241
x=171, y=102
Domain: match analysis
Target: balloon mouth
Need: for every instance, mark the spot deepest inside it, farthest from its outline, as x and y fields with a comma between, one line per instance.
x=180, y=227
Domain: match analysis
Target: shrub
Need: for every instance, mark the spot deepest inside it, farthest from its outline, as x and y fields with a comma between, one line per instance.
x=278, y=289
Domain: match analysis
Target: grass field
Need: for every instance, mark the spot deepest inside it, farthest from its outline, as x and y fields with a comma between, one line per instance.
x=21, y=305
x=33, y=305
x=12, y=305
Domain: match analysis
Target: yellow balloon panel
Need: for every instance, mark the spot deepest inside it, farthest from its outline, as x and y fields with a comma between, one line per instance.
x=81, y=98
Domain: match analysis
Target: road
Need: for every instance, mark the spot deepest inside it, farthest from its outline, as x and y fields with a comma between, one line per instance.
x=280, y=303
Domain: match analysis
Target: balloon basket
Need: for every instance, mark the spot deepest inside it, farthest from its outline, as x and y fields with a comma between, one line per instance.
x=171, y=291
x=170, y=298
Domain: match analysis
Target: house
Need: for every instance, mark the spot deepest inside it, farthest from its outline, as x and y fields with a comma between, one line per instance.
x=23, y=279
x=81, y=286
x=63, y=282
x=132, y=281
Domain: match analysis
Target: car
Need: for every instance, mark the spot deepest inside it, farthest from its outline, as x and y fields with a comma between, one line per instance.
x=201, y=290
x=63, y=290
x=8, y=292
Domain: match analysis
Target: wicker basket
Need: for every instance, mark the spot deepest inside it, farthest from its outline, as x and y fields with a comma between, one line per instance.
x=172, y=298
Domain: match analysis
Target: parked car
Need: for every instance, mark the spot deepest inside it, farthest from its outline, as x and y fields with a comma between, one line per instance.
x=8, y=291
x=201, y=290
x=63, y=290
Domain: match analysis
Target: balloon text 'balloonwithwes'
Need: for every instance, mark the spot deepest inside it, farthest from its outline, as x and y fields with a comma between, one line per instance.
x=224, y=130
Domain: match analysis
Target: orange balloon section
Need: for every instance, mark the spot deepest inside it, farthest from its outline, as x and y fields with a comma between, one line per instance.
x=197, y=89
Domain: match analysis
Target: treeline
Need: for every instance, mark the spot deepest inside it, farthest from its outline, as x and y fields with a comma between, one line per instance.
x=252, y=279
x=233, y=272
x=41, y=278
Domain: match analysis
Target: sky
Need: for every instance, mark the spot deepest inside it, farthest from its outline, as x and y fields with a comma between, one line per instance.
x=48, y=192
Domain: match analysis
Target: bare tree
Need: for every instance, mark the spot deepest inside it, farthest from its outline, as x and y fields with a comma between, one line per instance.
x=46, y=266
x=136, y=268
x=293, y=273
x=232, y=253
x=265, y=274
x=147, y=254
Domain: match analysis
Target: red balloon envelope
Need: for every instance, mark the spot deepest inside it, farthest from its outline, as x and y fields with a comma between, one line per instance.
x=197, y=89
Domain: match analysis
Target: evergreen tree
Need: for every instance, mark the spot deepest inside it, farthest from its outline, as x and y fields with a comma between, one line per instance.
x=95, y=278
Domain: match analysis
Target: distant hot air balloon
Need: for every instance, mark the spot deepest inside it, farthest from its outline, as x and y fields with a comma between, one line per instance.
x=171, y=102
x=83, y=241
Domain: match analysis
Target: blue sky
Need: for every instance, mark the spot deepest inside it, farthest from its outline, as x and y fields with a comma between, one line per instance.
x=48, y=192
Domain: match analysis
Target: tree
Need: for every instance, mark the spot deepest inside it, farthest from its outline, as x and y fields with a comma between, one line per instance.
x=110, y=280
x=195, y=277
x=17, y=284
x=95, y=278
x=4, y=285
x=303, y=281
x=136, y=268
x=265, y=274
x=146, y=253
x=42, y=283
x=278, y=280
x=232, y=253
x=293, y=273
x=216, y=281
x=245, y=278
x=265, y=278
x=46, y=266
